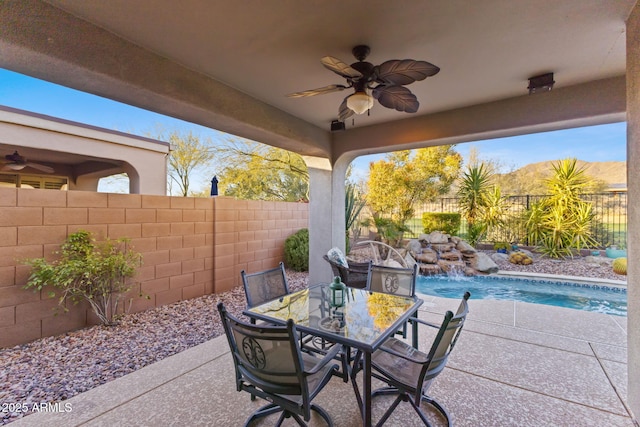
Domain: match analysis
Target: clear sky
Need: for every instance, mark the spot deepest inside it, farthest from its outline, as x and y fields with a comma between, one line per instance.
x=602, y=143
x=594, y=143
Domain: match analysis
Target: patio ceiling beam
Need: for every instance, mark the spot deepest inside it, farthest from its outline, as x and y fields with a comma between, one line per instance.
x=596, y=102
x=45, y=42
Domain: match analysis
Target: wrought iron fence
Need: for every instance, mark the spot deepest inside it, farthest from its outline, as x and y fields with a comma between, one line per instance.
x=609, y=227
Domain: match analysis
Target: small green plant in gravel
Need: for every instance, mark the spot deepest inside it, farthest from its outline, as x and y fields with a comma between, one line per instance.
x=96, y=272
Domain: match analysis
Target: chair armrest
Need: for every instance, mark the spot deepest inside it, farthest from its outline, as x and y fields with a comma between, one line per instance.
x=407, y=355
x=325, y=359
x=424, y=322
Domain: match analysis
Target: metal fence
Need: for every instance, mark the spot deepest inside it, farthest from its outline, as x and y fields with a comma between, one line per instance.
x=609, y=227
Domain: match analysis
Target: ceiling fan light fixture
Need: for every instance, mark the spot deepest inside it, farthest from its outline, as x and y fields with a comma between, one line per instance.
x=15, y=166
x=360, y=102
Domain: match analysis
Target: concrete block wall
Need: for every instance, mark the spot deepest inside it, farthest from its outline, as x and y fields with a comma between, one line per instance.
x=190, y=247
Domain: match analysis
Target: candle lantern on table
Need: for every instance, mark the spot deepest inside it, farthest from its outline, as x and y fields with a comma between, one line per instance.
x=338, y=292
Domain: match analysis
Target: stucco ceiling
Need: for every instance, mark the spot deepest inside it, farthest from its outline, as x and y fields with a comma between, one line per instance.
x=486, y=49
x=229, y=64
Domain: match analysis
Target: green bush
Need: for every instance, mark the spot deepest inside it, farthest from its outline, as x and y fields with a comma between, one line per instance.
x=448, y=222
x=296, y=250
x=87, y=270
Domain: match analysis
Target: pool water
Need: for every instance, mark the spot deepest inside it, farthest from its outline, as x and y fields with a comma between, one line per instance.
x=597, y=298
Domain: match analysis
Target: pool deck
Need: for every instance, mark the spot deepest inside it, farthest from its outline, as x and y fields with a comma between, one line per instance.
x=516, y=364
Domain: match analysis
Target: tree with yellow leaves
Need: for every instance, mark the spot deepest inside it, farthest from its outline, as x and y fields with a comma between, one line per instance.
x=404, y=178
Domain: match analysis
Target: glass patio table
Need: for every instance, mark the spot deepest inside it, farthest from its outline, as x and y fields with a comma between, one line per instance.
x=363, y=322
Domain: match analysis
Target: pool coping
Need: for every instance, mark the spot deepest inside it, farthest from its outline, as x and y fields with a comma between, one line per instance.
x=577, y=279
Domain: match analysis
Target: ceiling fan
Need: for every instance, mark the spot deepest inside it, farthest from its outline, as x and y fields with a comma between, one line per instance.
x=17, y=162
x=384, y=82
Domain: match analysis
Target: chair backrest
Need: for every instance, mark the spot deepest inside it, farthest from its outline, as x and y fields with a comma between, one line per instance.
x=354, y=276
x=446, y=339
x=392, y=280
x=265, y=357
x=265, y=285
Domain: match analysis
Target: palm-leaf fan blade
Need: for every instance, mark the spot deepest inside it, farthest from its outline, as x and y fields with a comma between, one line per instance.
x=340, y=68
x=404, y=71
x=318, y=91
x=397, y=97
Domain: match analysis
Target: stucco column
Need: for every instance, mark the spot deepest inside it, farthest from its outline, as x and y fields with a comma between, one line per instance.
x=633, y=209
x=320, y=224
x=326, y=213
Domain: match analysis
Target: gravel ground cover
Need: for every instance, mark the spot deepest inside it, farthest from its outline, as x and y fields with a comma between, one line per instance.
x=594, y=267
x=57, y=368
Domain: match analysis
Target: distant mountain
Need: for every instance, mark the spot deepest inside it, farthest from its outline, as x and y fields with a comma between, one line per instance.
x=609, y=172
x=529, y=178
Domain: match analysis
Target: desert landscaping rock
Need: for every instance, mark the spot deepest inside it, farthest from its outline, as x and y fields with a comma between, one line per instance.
x=483, y=263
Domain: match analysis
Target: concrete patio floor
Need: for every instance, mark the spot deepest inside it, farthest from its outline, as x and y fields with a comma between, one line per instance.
x=516, y=364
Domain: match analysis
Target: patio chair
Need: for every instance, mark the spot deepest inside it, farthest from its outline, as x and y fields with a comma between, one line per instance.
x=409, y=373
x=269, y=364
x=265, y=285
x=396, y=281
x=354, y=275
x=270, y=284
x=392, y=280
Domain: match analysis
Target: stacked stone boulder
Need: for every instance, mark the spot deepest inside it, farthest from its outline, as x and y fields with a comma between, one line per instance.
x=440, y=253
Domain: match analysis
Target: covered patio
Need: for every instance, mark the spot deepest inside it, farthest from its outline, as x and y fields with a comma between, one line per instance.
x=229, y=65
x=516, y=364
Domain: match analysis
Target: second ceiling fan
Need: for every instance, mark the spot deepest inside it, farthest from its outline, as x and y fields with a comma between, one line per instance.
x=384, y=82
x=16, y=162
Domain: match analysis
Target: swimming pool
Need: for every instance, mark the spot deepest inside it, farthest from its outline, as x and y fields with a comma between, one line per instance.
x=598, y=298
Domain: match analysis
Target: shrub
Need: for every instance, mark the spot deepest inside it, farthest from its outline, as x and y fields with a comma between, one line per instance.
x=389, y=231
x=296, y=250
x=475, y=232
x=447, y=222
x=90, y=271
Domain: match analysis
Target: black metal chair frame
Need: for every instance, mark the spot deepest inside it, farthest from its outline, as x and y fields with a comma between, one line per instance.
x=253, y=376
x=413, y=272
x=309, y=343
x=250, y=294
x=432, y=364
x=354, y=276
